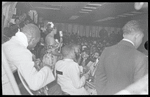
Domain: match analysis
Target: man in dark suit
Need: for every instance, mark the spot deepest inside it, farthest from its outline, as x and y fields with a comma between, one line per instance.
x=121, y=65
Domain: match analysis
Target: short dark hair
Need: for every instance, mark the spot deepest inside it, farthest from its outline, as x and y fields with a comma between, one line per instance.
x=133, y=26
x=67, y=49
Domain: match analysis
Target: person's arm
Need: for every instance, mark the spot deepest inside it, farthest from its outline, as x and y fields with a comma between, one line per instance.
x=100, y=75
x=83, y=62
x=139, y=87
x=55, y=53
x=79, y=60
x=35, y=79
x=141, y=67
x=74, y=74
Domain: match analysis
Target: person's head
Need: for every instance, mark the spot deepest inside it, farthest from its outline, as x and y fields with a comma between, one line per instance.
x=17, y=21
x=71, y=51
x=133, y=31
x=86, y=54
x=27, y=22
x=96, y=55
x=33, y=35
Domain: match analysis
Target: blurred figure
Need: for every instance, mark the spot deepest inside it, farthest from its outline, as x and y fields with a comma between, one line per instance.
x=6, y=34
x=50, y=50
x=68, y=72
x=122, y=64
x=20, y=58
x=140, y=87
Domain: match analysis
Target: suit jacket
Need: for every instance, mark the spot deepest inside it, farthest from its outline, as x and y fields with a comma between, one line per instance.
x=119, y=66
x=19, y=57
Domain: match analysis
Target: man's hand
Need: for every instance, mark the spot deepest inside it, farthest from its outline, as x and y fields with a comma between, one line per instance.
x=87, y=75
x=85, y=69
x=37, y=61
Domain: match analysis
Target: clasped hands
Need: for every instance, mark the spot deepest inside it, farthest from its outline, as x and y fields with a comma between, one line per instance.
x=39, y=64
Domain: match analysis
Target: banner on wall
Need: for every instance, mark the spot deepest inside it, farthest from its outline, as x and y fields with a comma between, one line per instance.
x=96, y=31
x=66, y=28
x=93, y=31
x=109, y=30
x=99, y=31
x=84, y=33
x=90, y=31
x=8, y=11
x=63, y=27
x=87, y=31
x=81, y=30
x=33, y=15
x=70, y=28
x=59, y=26
x=106, y=29
x=5, y=13
x=75, y=28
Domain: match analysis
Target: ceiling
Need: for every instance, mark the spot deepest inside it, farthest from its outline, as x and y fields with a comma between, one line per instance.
x=87, y=13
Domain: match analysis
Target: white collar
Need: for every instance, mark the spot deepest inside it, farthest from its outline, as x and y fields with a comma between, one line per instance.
x=22, y=38
x=128, y=41
x=67, y=59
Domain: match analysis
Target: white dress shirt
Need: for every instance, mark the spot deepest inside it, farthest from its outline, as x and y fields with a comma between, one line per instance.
x=19, y=57
x=70, y=81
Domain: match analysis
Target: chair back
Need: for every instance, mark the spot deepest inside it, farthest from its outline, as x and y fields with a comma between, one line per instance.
x=24, y=83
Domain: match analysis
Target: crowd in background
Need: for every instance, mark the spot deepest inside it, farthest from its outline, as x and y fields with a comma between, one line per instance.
x=89, y=45
x=92, y=44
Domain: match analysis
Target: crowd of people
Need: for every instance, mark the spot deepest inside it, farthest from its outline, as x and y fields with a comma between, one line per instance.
x=43, y=56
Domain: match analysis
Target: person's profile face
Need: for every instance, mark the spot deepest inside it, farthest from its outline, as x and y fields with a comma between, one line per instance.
x=77, y=52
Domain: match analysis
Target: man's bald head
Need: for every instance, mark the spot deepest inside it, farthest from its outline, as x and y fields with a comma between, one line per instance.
x=33, y=34
x=32, y=30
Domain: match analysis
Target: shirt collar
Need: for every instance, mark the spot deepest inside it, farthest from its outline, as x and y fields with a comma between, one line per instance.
x=22, y=38
x=128, y=41
x=67, y=59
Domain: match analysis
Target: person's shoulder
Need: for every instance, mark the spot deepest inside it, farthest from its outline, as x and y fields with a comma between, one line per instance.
x=9, y=44
x=72, y=64
x=59, y=63
x=106, y=49
x=138, y=53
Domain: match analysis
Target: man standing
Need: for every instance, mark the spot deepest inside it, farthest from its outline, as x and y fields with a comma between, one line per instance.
x=20, y=58
x=121, y=65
